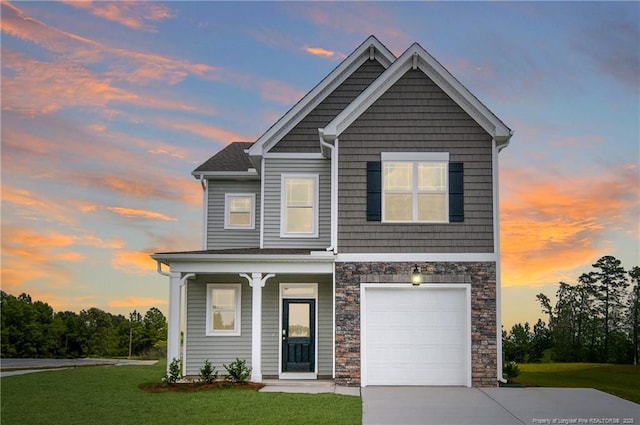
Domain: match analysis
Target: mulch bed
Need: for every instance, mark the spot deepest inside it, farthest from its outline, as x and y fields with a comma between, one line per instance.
x=189, y=387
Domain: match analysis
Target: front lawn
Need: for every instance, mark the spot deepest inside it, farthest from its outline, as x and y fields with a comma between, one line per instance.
x=110, y=395
x=619, y=380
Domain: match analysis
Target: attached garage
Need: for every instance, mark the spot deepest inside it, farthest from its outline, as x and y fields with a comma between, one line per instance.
x=415, y=335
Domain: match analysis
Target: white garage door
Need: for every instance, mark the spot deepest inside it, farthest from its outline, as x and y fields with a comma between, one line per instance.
x=415, y=335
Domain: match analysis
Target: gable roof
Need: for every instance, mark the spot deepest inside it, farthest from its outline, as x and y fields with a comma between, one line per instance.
x=229, y=161
x=371, y=48
x=415, y=57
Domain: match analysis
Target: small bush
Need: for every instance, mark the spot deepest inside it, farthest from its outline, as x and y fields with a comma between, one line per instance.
x=174, y=373
x=511, y=370
x=238, y=371
x=208, y=373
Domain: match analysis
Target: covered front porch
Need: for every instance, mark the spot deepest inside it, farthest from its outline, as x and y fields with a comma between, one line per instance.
x=272, y=308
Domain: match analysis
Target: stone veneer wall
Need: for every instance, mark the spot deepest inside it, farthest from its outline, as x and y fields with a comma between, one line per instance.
x=481, y=276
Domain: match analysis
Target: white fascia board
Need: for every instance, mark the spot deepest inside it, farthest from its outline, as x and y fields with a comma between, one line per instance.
x=294, y=155
x=320, y=92
x=281, y=266
x=237, y=175
x=416, y=257
x=417, y=56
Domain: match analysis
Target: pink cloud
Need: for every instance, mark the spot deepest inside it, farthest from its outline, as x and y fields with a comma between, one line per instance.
x=280, y=92
x=203, y=130
x=134, y=15
x=140, y=213
x=133, y=262
x=557, y=223
x=29, y=255
x=359, y=18
x=319, y=51
x=136, y=302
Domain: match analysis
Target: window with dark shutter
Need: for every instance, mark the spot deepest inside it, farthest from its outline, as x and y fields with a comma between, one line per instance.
x=456, y=192
x=374, y=191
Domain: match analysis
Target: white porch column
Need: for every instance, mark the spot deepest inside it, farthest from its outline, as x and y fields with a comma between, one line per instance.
x=176, y=281
x=173, y=328
x=257, y=282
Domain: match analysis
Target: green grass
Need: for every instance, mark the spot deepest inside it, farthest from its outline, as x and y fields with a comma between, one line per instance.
x=110, y=395
x=619, y=380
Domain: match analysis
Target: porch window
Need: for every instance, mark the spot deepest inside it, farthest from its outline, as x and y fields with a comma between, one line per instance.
x=299, y=205
x=239, y=210
x=223, y=309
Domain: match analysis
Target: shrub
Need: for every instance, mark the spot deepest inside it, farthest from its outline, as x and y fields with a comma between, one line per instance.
x=238, y=371
x=511, y=370
x=174, y=373
x=208, y=373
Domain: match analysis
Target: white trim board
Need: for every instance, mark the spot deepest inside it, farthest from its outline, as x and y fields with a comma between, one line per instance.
x=415, y=257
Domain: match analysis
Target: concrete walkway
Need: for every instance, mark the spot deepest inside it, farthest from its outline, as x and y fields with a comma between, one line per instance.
x=11, y=367
x=494, y=406
x=307, y=387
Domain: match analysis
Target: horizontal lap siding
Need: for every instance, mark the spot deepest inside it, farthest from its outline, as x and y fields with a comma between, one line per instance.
x=270, y=327
x=217, y=236
x=274, y=168
x=218, y=350
x=304, y=136
x=415, y=115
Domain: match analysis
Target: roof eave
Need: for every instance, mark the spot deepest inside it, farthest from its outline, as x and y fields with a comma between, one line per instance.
x=321, y=91
x=413, y=58
x=312, y=257
x=224, y=175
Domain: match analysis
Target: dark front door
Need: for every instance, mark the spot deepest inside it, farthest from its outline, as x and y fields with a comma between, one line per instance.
x=298, y=335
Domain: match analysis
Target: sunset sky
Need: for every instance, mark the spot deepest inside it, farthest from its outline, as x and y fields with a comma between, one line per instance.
x=108, y=107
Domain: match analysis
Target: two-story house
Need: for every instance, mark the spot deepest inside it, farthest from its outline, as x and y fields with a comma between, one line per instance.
x=356, y=240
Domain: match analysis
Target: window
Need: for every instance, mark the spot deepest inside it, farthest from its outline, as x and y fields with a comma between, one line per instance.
x=223, y=309
x=414, y=187
x=299, y=209
x=239, y=210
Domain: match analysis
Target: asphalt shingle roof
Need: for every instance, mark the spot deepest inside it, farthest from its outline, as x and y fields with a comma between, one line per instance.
x=231, y=158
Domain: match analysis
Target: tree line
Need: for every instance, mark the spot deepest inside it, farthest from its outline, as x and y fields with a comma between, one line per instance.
x=596, y=319
x=32, y=329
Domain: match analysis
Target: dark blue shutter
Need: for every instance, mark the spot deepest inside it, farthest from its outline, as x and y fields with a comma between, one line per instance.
x=374, y=191
x=456, y=192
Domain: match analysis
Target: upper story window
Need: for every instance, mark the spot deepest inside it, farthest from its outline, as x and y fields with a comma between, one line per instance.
x=239, y=210
x=299, y=208
x=223, y=309
x=415, y=187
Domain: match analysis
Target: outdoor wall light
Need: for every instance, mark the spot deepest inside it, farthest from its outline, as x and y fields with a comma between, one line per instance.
x=416, y=276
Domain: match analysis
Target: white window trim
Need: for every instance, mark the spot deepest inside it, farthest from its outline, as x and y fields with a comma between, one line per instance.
x=252, y=212
x=415, y=158
x=238, y=313
x=283, y=206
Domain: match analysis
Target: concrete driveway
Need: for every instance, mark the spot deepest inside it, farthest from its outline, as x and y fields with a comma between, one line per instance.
x=494, y=406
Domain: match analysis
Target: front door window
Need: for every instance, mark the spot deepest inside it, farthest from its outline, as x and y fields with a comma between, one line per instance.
x=298, y=335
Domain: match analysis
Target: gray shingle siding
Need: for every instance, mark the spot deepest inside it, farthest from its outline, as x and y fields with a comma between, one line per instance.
x=217, y=236
x=415, y=115
x=274, y=168
x=304, y=136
